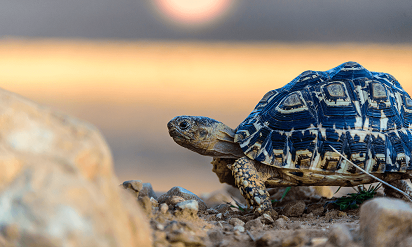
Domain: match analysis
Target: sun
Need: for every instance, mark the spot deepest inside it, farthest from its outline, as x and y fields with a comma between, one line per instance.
x=193, y=12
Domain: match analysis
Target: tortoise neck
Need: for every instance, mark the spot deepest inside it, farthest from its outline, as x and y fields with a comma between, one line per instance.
x=223, y=145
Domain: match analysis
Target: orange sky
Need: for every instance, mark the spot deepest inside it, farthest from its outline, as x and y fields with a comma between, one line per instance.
x=131, y=89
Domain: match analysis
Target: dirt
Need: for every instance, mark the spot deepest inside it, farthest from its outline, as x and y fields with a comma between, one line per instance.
x=303, y=218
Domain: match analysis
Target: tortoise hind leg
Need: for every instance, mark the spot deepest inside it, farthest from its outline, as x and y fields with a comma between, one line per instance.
x=251, y=185
x=400, y=184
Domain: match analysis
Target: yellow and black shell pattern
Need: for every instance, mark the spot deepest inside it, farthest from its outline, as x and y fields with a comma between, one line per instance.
x=366, y=116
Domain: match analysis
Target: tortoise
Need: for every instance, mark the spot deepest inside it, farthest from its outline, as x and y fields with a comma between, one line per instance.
x=287, y=140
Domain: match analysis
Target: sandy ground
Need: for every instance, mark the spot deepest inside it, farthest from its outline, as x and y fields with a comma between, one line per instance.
x=303, y=218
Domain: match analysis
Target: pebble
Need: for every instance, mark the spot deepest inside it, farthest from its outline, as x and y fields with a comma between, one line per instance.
x=183, y=193
x=189, y=204
x=316, y=209
x=268, y=239
x=133, y=186
x=147, y=190
x=164, y=208
x=239, y=228
x=236, y=222
x=280, y=223
x=340, y=236
x=173, y=200
x=266, y=219
x=255, y=224
x=294, y=208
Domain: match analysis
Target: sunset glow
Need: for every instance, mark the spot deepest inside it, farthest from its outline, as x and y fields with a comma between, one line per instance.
x=130, y=90
x=193, y=12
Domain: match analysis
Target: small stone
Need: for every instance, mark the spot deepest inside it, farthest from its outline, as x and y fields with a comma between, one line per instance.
x=164, y=208
x=272, y=213
x=212, y=211
x=160, y=227
x=294, y=208
x=340, y=236
x=266, y=219
x=385, y=222
x=185, y=194
x=236, y=222
x=239, y=228
x=255, y=224
x=280, y=223
x=219, y=216
x=222, y=208
x=268, y=239
x=316, y=209
x=133, y=186
x=189, y=204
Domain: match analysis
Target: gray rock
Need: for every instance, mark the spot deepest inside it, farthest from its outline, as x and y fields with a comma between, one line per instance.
x=185, y=194
x=340, y=236
x=57, y=185
x=147, y=190
x=385, y=222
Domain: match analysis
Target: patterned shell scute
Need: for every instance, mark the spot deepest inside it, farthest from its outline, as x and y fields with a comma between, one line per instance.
x=366, y=116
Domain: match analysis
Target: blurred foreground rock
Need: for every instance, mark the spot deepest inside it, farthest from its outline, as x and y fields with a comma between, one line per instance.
x=57, y=186
x=385, y=222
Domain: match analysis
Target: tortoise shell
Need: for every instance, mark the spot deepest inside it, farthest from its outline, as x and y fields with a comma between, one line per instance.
x=366, y=116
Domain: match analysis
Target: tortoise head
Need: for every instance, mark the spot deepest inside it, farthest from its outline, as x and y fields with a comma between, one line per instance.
x=205, y=136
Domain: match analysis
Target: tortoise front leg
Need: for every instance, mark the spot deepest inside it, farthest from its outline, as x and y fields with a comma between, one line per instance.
x=251, y=185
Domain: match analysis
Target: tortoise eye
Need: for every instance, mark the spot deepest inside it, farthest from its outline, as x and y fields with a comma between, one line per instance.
x=183, y=125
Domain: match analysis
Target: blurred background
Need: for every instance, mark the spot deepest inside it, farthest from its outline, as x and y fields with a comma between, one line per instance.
x=129, y=66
